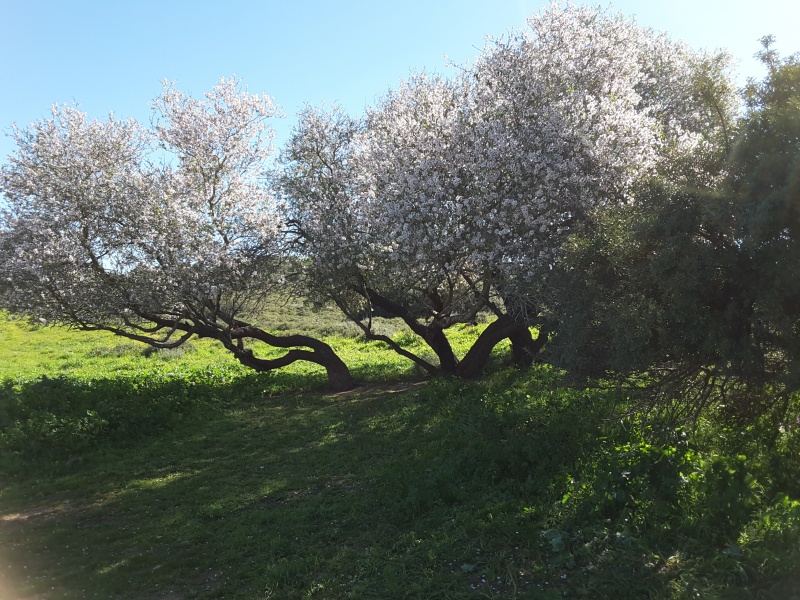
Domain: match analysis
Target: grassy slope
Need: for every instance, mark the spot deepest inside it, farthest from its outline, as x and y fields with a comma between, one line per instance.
x=177, y=476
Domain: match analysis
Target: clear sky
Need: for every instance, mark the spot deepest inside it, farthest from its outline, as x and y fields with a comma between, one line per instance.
x=111, y=55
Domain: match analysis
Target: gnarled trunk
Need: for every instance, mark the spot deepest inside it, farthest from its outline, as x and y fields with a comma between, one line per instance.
x=435, y=338
x=432, y=334
x=524, y=348
x=232, y=336
x=320, y=353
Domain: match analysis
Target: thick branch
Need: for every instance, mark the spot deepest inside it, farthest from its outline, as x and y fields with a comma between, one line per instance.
x=479, y=353
x=432, y=334
x=321, y=353
x=369, y=335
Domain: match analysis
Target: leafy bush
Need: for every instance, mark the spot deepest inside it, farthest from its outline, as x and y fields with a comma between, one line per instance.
x=694, y=290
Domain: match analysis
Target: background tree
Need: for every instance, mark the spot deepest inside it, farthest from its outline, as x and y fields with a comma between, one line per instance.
x=99, y=236
x=455, y=196
x=694, y=287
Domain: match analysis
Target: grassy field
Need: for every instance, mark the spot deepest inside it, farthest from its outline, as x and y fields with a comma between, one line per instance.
x=131, y=474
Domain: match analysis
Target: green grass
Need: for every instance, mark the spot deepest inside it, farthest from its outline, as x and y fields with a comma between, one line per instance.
x=175, y=476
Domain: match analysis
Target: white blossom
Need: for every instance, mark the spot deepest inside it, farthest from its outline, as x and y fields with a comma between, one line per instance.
x=104, y=231
x=449, y=185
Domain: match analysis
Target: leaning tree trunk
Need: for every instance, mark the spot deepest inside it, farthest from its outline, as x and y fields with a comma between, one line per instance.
x=478, y=355
x=524, y=348
x=433, y=334
x=436, y=339
x=320, y=353
x=231, y=333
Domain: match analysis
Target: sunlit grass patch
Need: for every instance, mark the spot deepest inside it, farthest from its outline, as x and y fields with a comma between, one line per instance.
x=138, y=476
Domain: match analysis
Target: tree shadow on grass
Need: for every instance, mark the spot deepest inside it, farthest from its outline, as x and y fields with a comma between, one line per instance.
x=442, y=489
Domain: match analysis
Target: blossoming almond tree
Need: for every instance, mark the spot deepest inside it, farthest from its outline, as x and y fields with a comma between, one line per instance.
x=99, y=235
x=453, y=196
x=357, y=250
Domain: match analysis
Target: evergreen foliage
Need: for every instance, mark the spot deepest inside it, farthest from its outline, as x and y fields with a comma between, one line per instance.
x=696, y=286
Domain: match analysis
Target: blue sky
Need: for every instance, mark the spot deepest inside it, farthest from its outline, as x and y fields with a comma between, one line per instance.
x=112, y=55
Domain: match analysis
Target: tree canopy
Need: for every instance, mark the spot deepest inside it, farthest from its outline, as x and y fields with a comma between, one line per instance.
x=696, y=287
x=453, y=196
x=100, y=233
